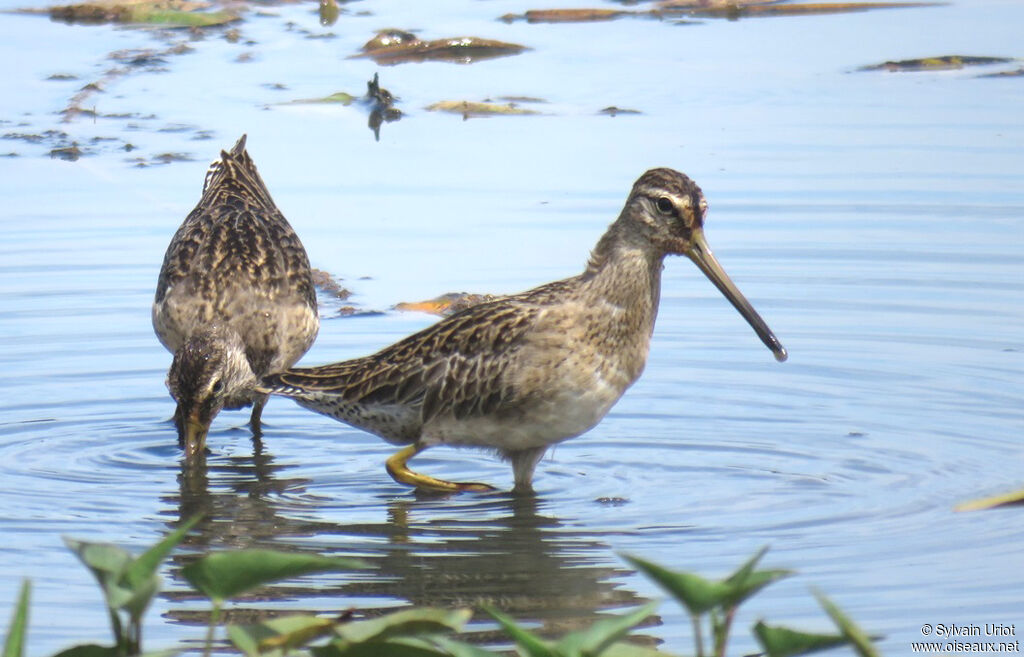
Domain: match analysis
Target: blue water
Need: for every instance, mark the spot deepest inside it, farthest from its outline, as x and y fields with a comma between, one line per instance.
x=876, y=220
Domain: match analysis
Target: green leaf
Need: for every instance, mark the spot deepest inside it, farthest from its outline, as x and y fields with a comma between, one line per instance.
x=89, y=650
x=603, y=633
x=696, y=593
x=856, y=636
x=146, y=565
x=106, y=561
x=408, y=622
x=222, y=575
x=14, y=645
x=280, y=634
x=532, y=644
x=784, y=642
x=397, y=647
x=745, y=581
x=456, y=648
x=624, y=649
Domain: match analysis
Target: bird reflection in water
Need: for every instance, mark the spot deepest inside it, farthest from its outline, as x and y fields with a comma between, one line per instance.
x=498, y=550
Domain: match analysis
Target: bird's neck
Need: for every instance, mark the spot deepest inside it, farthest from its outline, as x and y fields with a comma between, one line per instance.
x=625, y=273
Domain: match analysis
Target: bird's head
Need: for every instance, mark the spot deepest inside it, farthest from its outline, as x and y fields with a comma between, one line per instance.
x=209, y=372
x=667, y=209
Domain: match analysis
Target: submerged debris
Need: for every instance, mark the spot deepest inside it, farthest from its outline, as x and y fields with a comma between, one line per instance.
x=447, y=304
x=944, y=63
x=391, y=47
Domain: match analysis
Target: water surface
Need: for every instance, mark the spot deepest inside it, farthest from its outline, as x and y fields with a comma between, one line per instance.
x=876, y=220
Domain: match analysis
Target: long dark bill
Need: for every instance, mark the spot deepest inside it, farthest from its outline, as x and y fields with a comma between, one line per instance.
x=702, y=256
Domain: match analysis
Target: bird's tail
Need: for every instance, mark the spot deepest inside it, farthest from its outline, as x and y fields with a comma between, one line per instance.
x=236, y=168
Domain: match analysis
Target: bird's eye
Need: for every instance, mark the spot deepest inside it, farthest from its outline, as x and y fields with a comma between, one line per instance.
x=217, y=386
x=665, y=205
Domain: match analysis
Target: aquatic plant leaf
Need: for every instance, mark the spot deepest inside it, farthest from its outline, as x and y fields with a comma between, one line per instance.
x=784, y=642
x=746, y=581
x=603, y=633
x=222, y=575
x=531, y=644
x=89, y=650
x=403, y=623
x=696, y=593
x=14, y=644
x=468, y=108
x=860, y=641
x=995, y=501
x=147, y=563
x=279, y=634
x=456, y=648
x=394, y=647
x=625, y=649
x=107, y=562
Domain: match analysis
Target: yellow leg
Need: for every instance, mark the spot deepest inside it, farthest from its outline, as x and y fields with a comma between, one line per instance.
x=399, y=470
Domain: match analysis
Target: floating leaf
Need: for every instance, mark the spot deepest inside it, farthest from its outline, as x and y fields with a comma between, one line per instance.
x=339, y=97
x=784, y=642
x=14, y=645
x=222, y=575
x=944, y=63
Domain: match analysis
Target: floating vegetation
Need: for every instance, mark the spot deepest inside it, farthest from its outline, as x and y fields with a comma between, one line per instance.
x=446, y=304
x=391, y=47
x=568, y=15
x=167, y=13
x=944, y=63
x=615, y=111
x=735, y=9
x=470, y=109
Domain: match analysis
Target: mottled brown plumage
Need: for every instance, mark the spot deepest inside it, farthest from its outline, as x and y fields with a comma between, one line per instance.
x=235, y=299
x=523, y=372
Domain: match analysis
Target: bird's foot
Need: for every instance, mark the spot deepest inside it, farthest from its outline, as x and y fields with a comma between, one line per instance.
x=398, y=468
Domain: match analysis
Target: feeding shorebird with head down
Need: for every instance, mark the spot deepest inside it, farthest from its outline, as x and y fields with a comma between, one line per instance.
x=235, y=299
